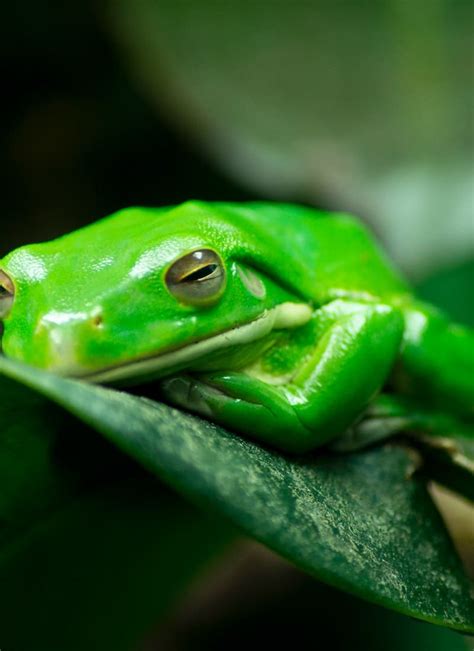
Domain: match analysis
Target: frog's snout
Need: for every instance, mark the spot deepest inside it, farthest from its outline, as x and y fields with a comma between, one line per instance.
x=70, y=323
x=60, y=338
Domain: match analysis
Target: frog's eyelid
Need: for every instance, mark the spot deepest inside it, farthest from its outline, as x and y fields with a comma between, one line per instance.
x=6, y=284
x=5, y=306
x=7, y=294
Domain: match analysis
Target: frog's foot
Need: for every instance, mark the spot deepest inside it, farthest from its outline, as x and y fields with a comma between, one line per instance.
x=242, y=404
x=369, y=431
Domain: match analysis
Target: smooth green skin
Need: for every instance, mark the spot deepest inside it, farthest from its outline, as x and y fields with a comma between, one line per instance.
x=96, y=300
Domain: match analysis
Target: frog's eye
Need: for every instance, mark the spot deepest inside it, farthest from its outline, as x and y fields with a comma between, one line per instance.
x=7, y=294
x=197, y=278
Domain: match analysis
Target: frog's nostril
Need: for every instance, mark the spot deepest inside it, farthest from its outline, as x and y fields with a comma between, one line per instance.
x=97, y=321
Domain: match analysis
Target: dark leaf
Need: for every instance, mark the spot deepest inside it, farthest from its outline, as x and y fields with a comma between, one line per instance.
x=358, y=522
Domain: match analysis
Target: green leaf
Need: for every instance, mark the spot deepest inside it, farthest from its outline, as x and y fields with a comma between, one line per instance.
x=355, y=521
x=93, y=550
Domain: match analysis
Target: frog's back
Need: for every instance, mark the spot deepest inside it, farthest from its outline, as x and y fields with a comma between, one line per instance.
x=318, y=255
x=323, y=255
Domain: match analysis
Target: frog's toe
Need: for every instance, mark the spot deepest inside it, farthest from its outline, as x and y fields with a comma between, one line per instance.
x=188, y=393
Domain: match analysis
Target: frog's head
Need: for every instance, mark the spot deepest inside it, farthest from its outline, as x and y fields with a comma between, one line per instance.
x=140, y=293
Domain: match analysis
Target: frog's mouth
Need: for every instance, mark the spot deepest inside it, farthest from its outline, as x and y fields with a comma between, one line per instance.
x=283, y=316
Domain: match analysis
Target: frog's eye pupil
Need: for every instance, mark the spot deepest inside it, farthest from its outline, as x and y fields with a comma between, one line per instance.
x=200, y=274
x=197, y=278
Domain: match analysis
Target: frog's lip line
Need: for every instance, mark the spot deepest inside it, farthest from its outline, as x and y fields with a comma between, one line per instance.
x=285, y=315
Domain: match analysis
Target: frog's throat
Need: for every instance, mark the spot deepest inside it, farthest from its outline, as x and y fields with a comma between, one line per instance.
x=283, y=316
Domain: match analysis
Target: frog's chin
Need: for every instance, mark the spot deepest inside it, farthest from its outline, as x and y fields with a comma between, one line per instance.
x=283, y=316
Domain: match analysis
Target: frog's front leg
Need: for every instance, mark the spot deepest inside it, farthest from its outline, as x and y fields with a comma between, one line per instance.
x=329, y=387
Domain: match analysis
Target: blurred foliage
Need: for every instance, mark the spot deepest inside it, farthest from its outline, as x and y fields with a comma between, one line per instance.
x=364, y=107
x=344, y=105
x=452, y=289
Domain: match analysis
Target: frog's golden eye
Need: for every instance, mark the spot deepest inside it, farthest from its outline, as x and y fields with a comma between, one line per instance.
x=198, y=278
x=7, y=294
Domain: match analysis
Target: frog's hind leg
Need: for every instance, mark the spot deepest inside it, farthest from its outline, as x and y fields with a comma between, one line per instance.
x=437, y=362
x=391, y=415
x=442, y=444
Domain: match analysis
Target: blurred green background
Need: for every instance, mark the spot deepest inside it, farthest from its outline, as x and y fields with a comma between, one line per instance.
x=345, y=105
